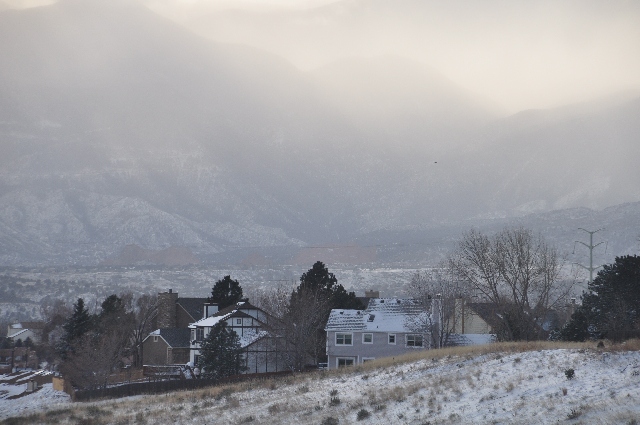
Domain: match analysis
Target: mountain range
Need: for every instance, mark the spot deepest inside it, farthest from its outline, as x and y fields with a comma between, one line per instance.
x=121, y=127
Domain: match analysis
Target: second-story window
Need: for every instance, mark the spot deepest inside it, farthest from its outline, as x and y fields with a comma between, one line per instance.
x=238, y=321
x=199, y=334
x=367, y=338
x=344, y=339
x=392, y=339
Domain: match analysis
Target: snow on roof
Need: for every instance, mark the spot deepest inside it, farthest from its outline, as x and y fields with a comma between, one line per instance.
x=210, y=321
x=224, y=314
x=250, y=336
x=23, y=331
x=382, y=315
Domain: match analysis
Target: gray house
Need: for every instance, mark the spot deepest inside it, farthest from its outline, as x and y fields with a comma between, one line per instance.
x=388, y=327
x=166, y=346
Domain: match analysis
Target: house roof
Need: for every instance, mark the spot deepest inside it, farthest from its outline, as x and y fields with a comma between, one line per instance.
x=28, y=325
x=234, y=310
x=250, y=336
x=381, y=315
x=19, y=333
x=175, y=337
x=193, y=306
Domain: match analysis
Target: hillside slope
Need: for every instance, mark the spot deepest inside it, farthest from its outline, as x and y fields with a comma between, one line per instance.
x=481, y=385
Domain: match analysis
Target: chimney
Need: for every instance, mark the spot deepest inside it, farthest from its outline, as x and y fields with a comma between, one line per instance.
x=167, y=309
x=571, y=308
x=372, y=294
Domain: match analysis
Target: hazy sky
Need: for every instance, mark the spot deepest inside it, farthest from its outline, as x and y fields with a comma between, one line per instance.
x=518, y=55
x=514, y=55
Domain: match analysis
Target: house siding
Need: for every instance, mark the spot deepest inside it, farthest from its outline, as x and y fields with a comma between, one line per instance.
x=379, y=348
x=154, y=353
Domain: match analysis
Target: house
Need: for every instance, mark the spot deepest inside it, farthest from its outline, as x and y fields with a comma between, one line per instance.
x=387, y=327
x=166, y=346
x=23, y=330
x=473, y=323
x=260, y=346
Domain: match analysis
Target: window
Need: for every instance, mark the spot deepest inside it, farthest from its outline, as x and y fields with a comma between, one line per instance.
x=238, y=321
x=345, y=361
x=344, y=339
x=193, y=334
x=155, y=338
x=414, y=340
x=199, y=334
x=367, y=338
x=196, y=360
x=392, y=339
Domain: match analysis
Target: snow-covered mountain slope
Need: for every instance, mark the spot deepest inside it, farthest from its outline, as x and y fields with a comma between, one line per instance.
x=120, y=127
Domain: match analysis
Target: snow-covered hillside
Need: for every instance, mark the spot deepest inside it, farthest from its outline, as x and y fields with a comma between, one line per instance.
x=480, y=385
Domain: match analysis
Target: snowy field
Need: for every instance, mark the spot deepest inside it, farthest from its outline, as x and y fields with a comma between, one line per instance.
x=447, y=387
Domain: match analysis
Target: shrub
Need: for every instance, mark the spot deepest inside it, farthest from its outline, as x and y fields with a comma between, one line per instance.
x=140, y=418
x=333, y=392
x=226, y=392
x=334, y=401
x=330, y=421
x=363, y=414
x=274, y=408
x=574, y=414
x=570, y=373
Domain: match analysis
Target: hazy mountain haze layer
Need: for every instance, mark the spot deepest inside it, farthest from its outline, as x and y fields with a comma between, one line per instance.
x=120, y=127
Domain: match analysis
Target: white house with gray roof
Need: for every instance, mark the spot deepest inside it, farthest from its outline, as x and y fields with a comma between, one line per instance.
x=388, y=327
x=261, y=347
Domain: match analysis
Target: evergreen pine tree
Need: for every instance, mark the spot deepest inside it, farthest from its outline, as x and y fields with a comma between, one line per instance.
x=221, y=353
x=611, y=308
x=226, y=292
x=78, y=324
x=319, y=279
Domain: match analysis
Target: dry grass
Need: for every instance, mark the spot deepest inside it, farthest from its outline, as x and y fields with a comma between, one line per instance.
x=232, y=396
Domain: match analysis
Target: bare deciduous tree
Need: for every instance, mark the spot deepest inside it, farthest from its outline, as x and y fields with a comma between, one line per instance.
x=274, y=301
x=302, y=326
x=437, y=290
x=145, y=311
x=517, y=271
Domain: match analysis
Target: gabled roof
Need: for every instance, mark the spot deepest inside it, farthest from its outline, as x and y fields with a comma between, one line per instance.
x=234, y=310
x=174, y=337
x=28, y=325
x=382, y=315
x=19, y=333
x=193, y=306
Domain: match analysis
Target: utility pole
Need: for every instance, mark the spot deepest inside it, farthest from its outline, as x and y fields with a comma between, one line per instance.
x=591, y=247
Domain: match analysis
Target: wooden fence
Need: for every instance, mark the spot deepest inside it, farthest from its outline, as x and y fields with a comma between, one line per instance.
x=156, y=387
